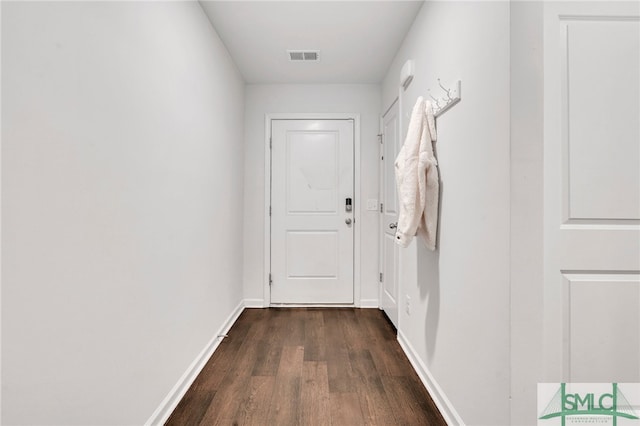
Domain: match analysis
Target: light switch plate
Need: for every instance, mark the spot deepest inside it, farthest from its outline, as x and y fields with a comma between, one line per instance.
x=372, y=204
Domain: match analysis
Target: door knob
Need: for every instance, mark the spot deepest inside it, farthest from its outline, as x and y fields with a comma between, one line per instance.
x=348, y=221
x=393, y=225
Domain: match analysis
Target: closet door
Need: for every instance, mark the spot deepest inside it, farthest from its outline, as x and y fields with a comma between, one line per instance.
x=389, y=214
x=592, y=192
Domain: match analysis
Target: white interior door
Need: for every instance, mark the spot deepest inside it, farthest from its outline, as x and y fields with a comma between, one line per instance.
x=592, y=192
x=312, y=222
x=389, y=249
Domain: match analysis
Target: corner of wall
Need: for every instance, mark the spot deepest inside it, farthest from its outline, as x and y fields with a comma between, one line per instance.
x=171, y=401
x=255, y=303
x=445, y=406
x=369, y=303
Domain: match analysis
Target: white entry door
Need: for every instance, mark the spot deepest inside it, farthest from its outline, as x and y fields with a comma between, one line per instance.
x=312, y=206
x=389, y=216
x=592, y=192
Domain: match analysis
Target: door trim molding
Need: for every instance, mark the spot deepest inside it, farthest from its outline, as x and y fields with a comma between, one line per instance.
x=267, y=194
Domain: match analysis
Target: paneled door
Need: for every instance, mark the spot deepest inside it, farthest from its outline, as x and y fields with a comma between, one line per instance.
x=312, y=205
x=592, y=191
x=389, y=214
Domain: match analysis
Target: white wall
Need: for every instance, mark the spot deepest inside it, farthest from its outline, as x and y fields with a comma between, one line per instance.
x=264, y=99
x=122, y=169
x=459, y=323
x=526, y=208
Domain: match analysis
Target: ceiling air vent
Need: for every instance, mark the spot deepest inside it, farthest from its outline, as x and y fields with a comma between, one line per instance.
x=304, y=55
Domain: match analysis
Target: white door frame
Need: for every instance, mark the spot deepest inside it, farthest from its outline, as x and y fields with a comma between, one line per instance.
x=267, y=195
x=380, y=201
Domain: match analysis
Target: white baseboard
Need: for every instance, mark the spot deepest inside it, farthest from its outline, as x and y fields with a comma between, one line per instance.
x=447, y=410
x=170, y=402
x=259, y=303
x=312, y=305
x=369, y=303
x=254, y=303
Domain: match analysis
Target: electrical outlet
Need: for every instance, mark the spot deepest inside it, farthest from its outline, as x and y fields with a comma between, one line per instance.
x=408, y=305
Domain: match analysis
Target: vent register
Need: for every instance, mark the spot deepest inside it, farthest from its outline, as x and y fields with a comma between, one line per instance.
x=304, y=55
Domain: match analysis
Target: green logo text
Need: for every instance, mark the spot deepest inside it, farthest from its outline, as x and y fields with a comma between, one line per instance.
x=565, y=404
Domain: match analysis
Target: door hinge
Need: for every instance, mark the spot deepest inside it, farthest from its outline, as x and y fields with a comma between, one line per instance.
x=380, y=136
x=270, y=279
x=269, y=210
x=381, y=277
x=381, y=208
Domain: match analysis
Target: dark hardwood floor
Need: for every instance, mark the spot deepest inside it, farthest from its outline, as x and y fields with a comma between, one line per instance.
x=308, y=366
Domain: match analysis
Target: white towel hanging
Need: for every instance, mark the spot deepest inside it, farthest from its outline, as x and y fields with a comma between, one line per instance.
x=417, y=179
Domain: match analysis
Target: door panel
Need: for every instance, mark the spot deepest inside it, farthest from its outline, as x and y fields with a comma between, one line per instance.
x=312, y=172
x=311, y=243
x=595, y=340
x=602, y=120
x=592, y=192
x=389, y=248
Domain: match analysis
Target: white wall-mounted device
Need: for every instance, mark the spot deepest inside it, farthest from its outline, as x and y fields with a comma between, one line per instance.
x=406, y=74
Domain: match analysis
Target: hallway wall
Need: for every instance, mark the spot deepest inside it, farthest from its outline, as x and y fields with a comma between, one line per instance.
x=122, y=173
x=299, y=98
x=527, y=229
x=458, y=329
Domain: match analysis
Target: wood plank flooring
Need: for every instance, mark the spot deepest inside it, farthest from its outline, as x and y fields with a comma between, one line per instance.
x=308, y=366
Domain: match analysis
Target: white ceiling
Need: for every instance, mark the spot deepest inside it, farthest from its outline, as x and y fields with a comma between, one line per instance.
x=357, y=39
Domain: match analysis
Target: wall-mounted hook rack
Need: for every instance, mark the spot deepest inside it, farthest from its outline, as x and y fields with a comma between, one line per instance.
x=453, y=97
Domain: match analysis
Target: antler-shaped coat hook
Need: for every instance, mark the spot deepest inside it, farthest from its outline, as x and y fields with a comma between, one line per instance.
x=435, y=100
x=447, y=91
